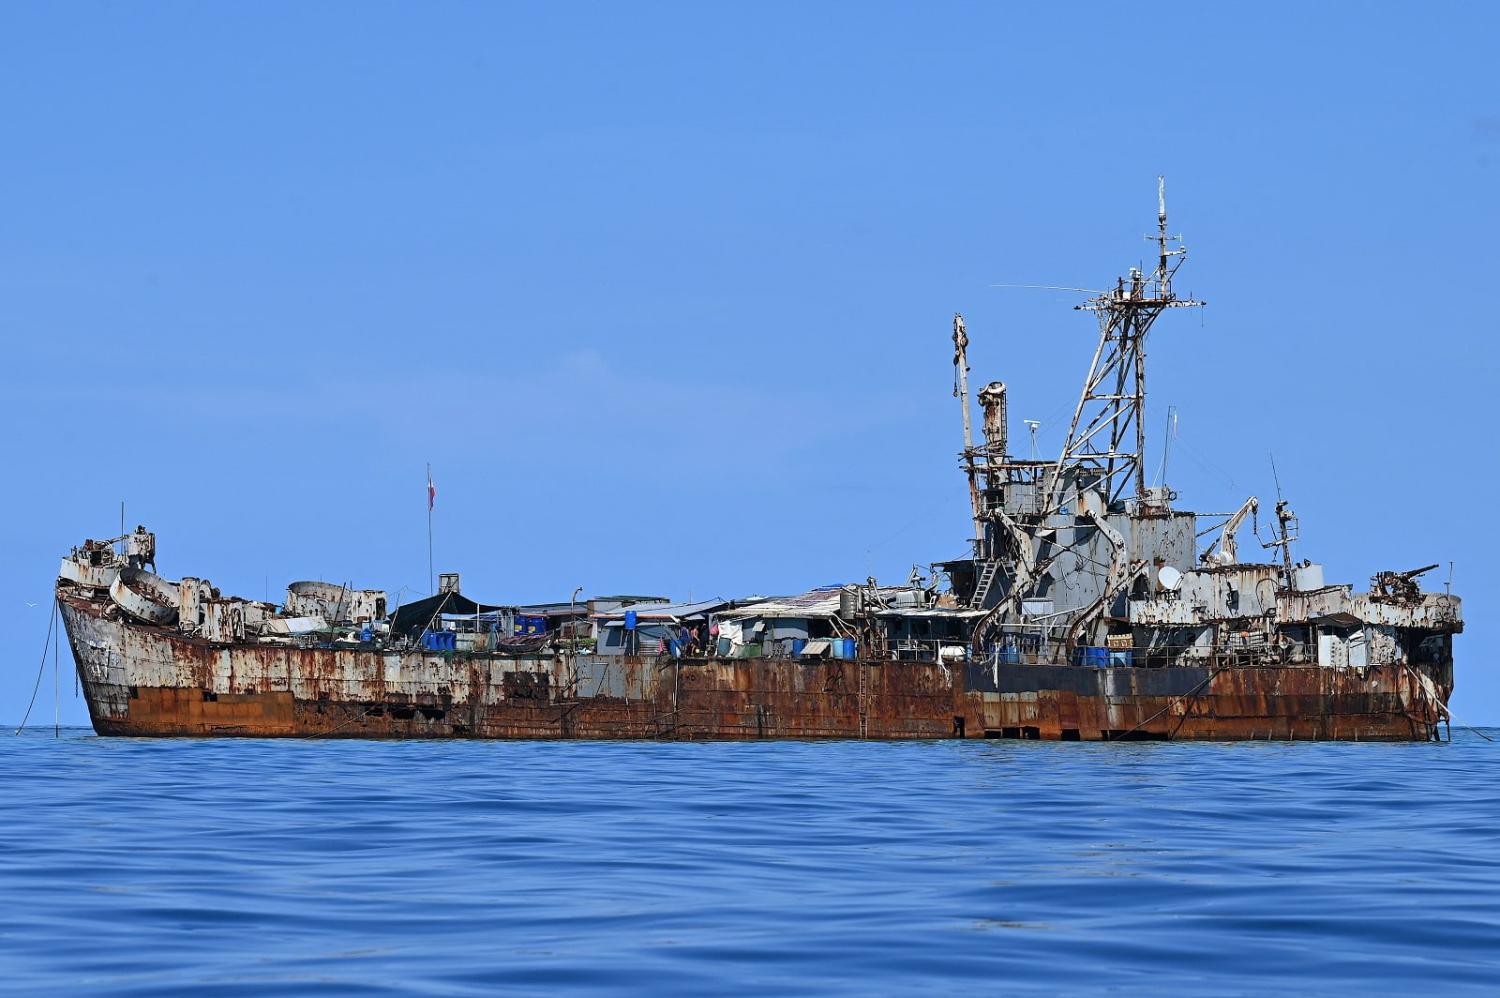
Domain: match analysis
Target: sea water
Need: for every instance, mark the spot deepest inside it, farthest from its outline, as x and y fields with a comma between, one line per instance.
x=167, y=866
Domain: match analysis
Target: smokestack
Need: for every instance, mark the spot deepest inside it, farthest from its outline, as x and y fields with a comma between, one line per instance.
x=992, y=400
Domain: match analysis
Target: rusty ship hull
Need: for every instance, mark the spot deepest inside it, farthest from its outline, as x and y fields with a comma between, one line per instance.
x=143, y=681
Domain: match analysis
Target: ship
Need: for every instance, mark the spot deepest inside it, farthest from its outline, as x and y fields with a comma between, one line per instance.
x=1083, y=608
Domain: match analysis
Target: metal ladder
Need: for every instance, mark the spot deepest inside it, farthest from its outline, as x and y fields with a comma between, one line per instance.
x=982, y=587
x=864, y=699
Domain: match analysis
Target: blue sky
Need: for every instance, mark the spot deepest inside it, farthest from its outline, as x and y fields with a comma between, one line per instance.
x=663, y=292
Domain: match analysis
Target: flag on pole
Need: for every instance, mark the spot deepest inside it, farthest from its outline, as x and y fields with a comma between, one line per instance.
x=431, y=490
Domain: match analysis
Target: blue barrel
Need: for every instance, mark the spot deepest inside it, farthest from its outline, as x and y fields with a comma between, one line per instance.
x=797, y=645
x=836, y=648
x=1092, y=657
x=629, y=620
x=849, y=651
x=1010, y=654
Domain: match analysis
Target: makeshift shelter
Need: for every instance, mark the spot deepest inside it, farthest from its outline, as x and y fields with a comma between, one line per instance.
x=412, y=619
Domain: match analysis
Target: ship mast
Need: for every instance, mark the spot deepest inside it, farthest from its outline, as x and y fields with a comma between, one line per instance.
x=1019, y=505
x=1106, y=441
x=961, y=392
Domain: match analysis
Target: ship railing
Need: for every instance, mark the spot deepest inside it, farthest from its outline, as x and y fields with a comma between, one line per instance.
x=1239, y=654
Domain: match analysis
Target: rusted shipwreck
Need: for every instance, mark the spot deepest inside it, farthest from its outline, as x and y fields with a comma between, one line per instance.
x=1084, y=610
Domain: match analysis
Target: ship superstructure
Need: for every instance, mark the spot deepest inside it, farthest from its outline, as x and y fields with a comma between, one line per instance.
x=1085, y=609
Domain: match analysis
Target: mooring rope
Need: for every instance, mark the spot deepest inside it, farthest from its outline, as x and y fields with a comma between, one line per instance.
x=1186, y=696
x=41, y=669
x=1470, y=727
x=339, y=727
x=1440, y=705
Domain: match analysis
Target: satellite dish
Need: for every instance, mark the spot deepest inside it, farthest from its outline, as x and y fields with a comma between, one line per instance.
x=1170, y=578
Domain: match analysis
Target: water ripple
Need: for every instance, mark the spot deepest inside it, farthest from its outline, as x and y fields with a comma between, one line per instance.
x=372, y=868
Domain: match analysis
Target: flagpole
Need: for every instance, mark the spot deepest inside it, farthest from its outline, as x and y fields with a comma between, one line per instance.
x=431, y=579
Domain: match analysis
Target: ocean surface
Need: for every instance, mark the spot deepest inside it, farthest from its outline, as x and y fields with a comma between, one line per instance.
x=159, y=867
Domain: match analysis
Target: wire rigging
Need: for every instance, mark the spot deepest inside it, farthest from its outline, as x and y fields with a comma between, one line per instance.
x=40, y=669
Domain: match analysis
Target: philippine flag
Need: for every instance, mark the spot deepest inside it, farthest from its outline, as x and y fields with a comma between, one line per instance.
x=431, y=491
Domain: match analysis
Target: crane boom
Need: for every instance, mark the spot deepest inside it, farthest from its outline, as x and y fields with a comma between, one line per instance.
x=1228, y=552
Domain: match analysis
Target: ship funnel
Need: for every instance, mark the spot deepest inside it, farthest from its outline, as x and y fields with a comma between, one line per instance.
x=992, y=400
